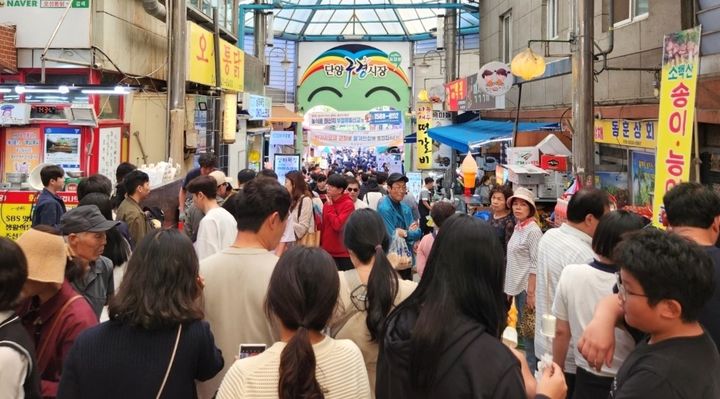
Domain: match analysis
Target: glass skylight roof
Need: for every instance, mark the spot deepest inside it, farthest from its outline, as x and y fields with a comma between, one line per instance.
x=333, y=21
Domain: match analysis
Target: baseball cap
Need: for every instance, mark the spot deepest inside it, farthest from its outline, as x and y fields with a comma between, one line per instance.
x=396, y=177
x=219, y=177
x=85, y=218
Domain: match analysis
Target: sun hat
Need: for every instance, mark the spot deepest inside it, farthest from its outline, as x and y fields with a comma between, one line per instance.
x=85, y=218
x=524, y=194
x=46, y=256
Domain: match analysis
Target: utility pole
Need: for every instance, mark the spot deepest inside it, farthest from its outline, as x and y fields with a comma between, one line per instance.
x=177, y=66
x=450, y=75
x=260, y=32
x=583, y=89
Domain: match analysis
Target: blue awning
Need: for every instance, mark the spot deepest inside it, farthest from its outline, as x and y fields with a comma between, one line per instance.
x=461, y=137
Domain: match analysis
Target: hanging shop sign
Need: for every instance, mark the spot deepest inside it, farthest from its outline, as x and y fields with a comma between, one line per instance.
x=62, y=147
x=642, y=170
x=279, y=138
x=14, y=114
x=681, y=59
x=258, y=107
x=495, y=78
x=441, y=153
x=360, y=138
x=424, y=115
x=455, y=94
x=625, y=132
x=201, y=60
x=22, y=149
x=229, y=126
x=285, y=163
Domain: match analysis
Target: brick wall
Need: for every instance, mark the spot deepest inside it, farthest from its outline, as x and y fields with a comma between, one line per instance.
x=8, y=52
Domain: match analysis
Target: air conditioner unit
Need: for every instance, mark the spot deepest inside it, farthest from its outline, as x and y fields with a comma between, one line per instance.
x=81, y=115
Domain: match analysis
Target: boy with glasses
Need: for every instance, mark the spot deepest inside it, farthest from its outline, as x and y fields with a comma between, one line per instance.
x=663, y=283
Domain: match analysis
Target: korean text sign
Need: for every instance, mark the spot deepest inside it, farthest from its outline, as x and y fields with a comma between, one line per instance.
x=201, y=60
x=630, y=133
x=681, y=59
x=424, y=143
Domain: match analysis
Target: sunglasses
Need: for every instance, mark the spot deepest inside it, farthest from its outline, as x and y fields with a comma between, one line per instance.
x=354, y=190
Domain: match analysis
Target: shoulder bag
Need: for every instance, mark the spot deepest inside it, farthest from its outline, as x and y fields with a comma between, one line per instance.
x=172, y=360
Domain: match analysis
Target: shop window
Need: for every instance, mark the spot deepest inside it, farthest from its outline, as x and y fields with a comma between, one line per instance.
x=109, y=107
x=627, y=11
x=506, y=36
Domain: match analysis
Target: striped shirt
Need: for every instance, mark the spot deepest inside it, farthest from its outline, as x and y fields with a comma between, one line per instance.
x=522, y=250
x=558, y=248
x=340, y=371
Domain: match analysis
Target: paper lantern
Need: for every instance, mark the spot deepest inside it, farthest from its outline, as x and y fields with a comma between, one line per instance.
x=528, y=65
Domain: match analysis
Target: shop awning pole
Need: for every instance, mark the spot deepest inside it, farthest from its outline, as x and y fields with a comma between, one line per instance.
x=517, y=115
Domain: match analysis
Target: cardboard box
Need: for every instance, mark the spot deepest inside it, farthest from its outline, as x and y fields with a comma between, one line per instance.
x=552, y=145
x=525, y=174
x=523, y=156
x=554, y=162
x=548, y=191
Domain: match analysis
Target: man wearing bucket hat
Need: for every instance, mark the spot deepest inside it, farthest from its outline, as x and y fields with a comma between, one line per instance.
x=89, y=273
x=51, y=310
x=521, y=269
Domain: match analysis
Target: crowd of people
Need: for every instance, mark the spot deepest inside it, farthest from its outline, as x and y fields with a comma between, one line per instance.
x=344, y=285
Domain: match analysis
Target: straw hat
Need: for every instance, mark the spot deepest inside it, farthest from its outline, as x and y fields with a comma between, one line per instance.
x=524, y=194
x=46, y=256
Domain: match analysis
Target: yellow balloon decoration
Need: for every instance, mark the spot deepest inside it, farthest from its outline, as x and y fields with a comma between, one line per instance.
x=528, y=65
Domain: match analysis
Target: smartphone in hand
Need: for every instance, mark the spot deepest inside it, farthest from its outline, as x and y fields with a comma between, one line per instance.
x=248, y=350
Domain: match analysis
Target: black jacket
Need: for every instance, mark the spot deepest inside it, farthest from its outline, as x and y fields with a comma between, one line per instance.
x=14, y=335
x=473, y=364
x=48, y=210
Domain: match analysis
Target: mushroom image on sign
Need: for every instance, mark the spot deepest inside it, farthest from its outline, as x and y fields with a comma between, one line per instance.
x=495, y=78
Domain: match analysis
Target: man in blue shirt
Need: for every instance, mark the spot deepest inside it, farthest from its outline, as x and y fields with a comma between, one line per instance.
x=50, y=207
x=398, y=216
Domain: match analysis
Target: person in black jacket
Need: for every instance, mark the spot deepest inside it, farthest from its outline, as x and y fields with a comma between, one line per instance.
x=443, y=341
x=50, y=207
x=156, y=343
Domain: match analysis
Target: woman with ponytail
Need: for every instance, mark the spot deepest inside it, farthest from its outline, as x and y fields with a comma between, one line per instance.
x=371, y=290
x=301, y=298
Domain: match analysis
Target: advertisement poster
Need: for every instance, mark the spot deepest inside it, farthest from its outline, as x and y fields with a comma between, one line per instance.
x=681, y=60
x=643, y=178
x=62, y=147
x=22, y=149
x=14, y=114
x=626, y=132
x=279, y=138
x=109, y=156
x=615, y=184
x=16, y=209
x=414, y=184
x=476, y=99
x=285, y=163
x=327, y=127
x=424, y=143
x=338, y=138
x=455, y=94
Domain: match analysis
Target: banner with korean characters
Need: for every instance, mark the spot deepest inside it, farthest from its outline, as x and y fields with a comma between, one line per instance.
x=424, y=143
x=681, y=61
x=16, y=209
x=201, y=60
x=624, y=132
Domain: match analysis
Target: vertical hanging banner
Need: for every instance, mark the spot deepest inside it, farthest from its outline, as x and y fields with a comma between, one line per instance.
x=424, y=143
x=681, y=59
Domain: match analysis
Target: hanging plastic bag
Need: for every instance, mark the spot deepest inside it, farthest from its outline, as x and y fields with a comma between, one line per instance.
x=399, y=254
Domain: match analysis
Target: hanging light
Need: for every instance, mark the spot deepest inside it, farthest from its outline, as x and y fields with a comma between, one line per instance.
x=528, y=65
x=285, y=63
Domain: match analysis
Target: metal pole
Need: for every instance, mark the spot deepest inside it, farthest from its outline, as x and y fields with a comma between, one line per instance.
x=177, y=61
x=517, y=115
x=52, y=37
x=260, y=33
x=583, y=95
x=218, y=101
x=450, y=75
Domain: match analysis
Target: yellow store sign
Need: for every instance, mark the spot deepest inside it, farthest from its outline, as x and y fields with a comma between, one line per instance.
x=201, y=60
x=626, y=132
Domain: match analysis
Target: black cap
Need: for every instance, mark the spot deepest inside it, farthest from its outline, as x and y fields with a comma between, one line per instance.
x=396, y=177
x=85, y=218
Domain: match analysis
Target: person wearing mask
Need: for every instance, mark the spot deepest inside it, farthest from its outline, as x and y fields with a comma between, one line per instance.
x=439, y=213
x=19, y=377
x=371, y=290
x=50, y=207
x=52, y=312
x=208, y=163
x=336, y=211
x=503, y=219
x=398, y=216
x=217, y=229
x=137, y=186
x=353, y=190
x=90, y=273
x=156, y=343
x=444, y=340
x=425, y=204
x=237, y=278
x=579, y=290
x=122, y=170
x=568, y=244
x=305, y=363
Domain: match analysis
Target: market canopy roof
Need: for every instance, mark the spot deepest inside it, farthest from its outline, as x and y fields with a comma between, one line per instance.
x=463, y=136
x=281, y=114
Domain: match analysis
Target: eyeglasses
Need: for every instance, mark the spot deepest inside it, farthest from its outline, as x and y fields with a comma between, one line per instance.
x=624, y=292
x=354, y=190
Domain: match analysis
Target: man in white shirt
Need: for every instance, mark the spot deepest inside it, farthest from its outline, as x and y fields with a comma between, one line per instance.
x=353, y=190
x=218, y=228
x=571, y=243
x=237, y=278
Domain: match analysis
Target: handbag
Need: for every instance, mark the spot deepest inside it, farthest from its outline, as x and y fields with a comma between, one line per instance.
x=310, y=239
x=172, y=360
x=526, y=324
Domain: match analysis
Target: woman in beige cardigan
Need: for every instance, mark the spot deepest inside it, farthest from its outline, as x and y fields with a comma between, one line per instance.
x=300, y=218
